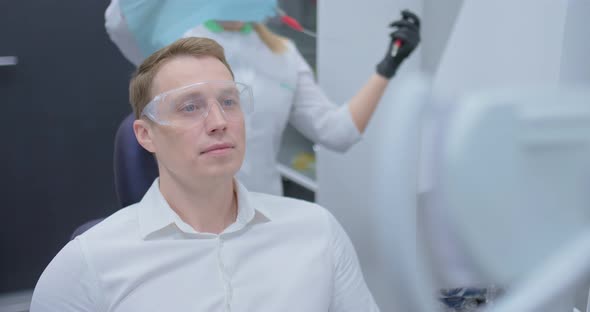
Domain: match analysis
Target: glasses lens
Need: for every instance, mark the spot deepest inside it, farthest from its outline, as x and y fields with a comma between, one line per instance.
x=190, y=105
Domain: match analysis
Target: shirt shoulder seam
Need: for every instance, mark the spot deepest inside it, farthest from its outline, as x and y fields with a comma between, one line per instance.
x=93, y=273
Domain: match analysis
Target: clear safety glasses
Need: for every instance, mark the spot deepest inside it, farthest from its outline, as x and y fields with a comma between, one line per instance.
x=189, y=105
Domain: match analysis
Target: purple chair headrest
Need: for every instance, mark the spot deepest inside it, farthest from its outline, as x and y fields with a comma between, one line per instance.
x=135, y=168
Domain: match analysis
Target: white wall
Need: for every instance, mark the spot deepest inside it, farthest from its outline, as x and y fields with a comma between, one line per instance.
x=438, y=21
x=575, y=68
x=503, y=42
x=467, y=45
x=575, y=58
x=353, y=36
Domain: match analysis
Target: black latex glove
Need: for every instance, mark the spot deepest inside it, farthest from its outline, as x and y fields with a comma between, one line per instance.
x=408, y=31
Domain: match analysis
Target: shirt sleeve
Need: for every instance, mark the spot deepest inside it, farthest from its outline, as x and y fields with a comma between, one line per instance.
x=116, y=27
x=314, y=115
x=350, y=291
x=67, y=284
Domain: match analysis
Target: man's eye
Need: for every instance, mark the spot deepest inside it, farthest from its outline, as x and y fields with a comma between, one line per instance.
x=191, y=107
x=229, y=102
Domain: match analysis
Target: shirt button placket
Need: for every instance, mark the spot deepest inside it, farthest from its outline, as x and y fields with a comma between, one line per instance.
x=225, y=278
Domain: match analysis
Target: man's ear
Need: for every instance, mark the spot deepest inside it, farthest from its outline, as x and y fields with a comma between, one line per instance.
x=144, y=134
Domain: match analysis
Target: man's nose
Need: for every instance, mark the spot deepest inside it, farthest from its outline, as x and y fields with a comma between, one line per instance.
x=215, y=120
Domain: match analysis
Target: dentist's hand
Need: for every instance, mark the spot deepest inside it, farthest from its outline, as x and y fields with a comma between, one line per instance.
x=403, y=42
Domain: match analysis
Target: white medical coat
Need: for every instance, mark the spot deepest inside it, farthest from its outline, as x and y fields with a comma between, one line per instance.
x=284, y=91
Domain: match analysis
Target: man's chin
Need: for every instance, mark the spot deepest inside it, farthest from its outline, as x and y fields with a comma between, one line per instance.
x=221, y=171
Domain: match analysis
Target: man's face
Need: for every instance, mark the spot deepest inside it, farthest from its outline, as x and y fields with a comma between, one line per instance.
x=213, y=147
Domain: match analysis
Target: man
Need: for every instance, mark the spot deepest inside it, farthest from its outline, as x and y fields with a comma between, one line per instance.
x=198, y=240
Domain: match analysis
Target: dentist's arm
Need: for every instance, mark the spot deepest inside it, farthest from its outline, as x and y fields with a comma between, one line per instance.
x=403, y=41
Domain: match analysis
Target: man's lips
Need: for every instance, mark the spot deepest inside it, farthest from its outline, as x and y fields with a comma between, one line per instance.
x=217, y=147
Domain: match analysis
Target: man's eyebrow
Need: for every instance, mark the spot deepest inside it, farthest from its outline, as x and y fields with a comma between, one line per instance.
x=189, y=95
x=230, y=90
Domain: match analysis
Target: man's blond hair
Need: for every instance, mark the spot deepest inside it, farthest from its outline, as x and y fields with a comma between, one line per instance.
x=141, y=83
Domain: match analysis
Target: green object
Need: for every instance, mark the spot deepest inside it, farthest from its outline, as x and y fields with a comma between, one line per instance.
x=215, y=27
x=287, y=86
x=247, y=28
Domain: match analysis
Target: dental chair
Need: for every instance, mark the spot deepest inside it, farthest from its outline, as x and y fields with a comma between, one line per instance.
x=514, y=175
x=510, y=171
x=135, y=168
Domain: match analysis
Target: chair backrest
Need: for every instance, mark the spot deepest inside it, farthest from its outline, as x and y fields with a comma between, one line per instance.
x=135, y=168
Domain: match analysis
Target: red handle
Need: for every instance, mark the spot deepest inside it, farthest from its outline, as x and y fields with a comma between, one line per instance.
x=291, y=22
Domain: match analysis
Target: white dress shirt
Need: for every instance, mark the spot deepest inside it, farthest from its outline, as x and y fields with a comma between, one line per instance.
x=281, y=254
x=284, y=89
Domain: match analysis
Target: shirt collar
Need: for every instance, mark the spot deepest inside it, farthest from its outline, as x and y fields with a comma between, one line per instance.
x=155, y=214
